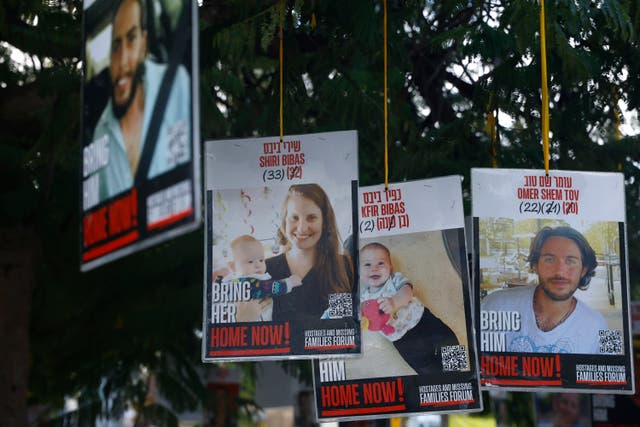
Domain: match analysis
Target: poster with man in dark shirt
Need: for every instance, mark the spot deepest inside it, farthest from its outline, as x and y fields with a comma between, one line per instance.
x=140, y=176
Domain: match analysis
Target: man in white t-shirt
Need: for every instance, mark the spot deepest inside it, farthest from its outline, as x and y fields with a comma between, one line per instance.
x=548, y=318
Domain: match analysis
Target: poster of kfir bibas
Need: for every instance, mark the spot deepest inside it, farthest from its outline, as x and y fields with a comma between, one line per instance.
x=418, y=353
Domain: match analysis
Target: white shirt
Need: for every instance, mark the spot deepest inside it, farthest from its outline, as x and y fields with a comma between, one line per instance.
x=579, y=333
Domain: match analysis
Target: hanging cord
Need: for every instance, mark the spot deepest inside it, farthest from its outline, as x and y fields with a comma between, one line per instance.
x=545, y=94
x=491, y=128
x=281, y=67
x=616, y=111
x=386, y=112
x=493, y=117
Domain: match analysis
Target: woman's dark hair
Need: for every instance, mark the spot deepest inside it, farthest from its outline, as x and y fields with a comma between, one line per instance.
x=587, y=252
x=331, y=262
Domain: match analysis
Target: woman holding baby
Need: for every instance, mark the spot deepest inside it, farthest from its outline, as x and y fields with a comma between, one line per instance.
x=312, y=250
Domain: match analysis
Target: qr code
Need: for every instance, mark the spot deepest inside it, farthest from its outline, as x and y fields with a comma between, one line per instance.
x=454, y=358
x=610, y=341
x=340, y=305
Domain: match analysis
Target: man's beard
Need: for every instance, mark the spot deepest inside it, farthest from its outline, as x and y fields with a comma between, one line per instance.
x=120, y=110
x=556, y=297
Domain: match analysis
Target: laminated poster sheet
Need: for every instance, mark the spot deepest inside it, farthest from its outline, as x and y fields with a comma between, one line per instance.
x=140, y=178
x=280, y=225
x=418, y=342
x=551, y=276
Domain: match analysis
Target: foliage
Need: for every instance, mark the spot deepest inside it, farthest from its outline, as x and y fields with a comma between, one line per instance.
x=450, y=64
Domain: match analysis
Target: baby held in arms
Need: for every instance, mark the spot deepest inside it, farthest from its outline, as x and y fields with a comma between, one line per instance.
x=249, y=272
x=245, y=294
x=415, y=332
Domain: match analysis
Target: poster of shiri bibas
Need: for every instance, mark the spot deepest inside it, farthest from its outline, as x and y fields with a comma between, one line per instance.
x=140, y=175
x=551, y=276
x=280, y=223
x=418, y=341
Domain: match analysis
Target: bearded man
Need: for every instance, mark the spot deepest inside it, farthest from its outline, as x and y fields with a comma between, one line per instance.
x=140, y=100
x=551, y=318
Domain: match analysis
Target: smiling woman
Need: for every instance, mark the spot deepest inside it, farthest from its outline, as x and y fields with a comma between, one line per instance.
x=312, y=250
x=303, y=223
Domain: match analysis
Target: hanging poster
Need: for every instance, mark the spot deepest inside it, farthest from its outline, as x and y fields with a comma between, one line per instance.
x=550, y=266
x=280, y=226
x=418, y=342
x=140, y=179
